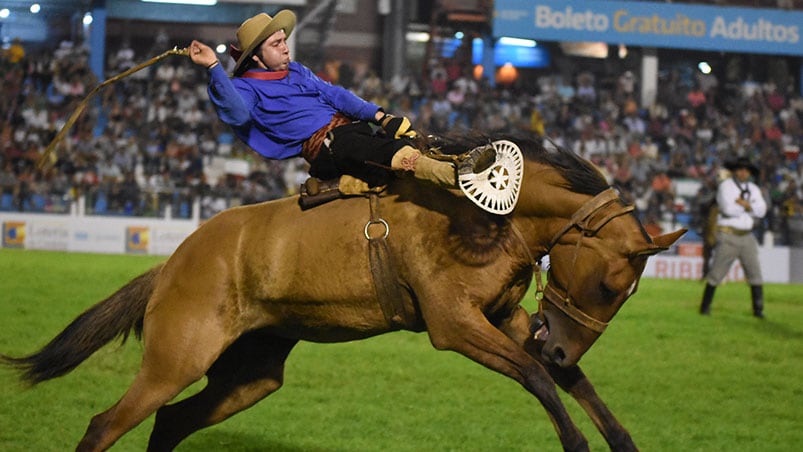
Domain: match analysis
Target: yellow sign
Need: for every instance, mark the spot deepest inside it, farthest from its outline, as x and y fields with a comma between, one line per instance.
x=137, y=239
x=14, y=234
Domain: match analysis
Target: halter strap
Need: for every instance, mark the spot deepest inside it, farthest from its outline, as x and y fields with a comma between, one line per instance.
x=564, y=303
x=585, y=212
x=582, y=219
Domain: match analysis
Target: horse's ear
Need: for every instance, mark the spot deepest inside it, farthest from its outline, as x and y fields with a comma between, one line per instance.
x=666, y=240
x=662, y=242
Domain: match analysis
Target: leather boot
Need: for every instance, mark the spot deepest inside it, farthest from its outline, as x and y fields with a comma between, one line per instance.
x=440, y=173
x=708, y=296
x=757, y=294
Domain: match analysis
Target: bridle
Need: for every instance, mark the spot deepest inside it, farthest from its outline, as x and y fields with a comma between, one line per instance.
x=589, y=219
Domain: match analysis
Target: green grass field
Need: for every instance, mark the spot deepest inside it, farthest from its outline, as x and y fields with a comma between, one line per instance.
x=678, y=381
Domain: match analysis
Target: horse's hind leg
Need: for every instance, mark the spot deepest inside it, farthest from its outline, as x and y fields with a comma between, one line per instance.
x=176, y=354
x=151, y=389
x=248, y=371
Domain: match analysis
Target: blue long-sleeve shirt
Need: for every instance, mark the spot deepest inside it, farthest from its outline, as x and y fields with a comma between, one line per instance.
x=275, y=117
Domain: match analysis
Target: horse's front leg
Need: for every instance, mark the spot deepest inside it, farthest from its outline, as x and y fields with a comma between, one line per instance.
x=466, y=330
x=574, y=381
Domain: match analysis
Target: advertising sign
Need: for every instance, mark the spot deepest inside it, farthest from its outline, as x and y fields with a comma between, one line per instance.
x=137, y=239
x=653, y=24
x=13, y=234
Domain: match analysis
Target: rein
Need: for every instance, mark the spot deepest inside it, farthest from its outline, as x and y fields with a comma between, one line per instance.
x=48, y=158
x=585, y=220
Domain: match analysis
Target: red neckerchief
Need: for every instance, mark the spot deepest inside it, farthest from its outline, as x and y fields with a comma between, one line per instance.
x=265, y=75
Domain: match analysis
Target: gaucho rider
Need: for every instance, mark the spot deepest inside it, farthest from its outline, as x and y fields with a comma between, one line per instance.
x=282, y=110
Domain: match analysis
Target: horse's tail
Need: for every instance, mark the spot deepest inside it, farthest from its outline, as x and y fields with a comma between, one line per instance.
x=107, y=320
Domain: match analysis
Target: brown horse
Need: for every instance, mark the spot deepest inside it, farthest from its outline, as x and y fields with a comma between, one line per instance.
x=240, y=292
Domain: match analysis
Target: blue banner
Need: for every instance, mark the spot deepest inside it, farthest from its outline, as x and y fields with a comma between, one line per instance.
x=517, y=55
x=673, y=25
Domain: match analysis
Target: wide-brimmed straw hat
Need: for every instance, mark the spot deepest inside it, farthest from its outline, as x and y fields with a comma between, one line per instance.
x=257, y=29
x=742, y=162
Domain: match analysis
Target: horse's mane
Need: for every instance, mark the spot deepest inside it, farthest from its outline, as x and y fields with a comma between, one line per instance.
x=581, y=175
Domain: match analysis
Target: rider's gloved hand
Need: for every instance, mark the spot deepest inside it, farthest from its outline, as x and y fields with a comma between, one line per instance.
x=397, y=126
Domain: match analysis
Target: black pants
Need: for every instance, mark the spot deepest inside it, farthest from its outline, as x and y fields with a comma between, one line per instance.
x=358, y=150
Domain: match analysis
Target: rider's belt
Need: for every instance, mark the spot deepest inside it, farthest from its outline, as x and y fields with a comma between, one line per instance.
x=311, y=147
x=732, y=230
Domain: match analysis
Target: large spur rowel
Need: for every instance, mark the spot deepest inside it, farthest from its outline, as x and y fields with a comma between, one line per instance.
x=496, y=189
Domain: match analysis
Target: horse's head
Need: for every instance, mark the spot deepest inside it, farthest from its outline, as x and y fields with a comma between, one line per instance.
x=596, y=261
x=597, y=247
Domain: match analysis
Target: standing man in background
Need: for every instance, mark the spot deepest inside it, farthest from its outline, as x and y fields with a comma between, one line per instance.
x=740, y=204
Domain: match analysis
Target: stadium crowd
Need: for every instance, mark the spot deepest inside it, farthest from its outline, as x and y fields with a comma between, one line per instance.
x=153, y=142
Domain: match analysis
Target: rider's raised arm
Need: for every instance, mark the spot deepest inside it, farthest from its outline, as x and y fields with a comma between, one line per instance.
x=233, y=106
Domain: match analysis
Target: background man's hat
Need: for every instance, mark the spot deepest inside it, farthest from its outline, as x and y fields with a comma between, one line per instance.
x=257, y=29
x=742, y=162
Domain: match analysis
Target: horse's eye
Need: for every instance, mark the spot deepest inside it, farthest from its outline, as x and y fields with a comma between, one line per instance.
x=606, y=291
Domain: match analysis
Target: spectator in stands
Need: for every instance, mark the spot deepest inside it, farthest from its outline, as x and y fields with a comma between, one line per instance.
x=586, y=92
x=124, y=58
x=697, y=102
x=626, y=86
x=24, y=190
x=400, y=83
x=537, y=123
x=281, y=109
x=465, y=91
x=15, y=52
x=791, y=204
x=371, y=85
x=8, y=184
x=441, y=111
x=438, y=79
x=129, y=195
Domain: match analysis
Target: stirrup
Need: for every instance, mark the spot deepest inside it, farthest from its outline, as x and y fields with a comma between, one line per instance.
x=495, y=188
